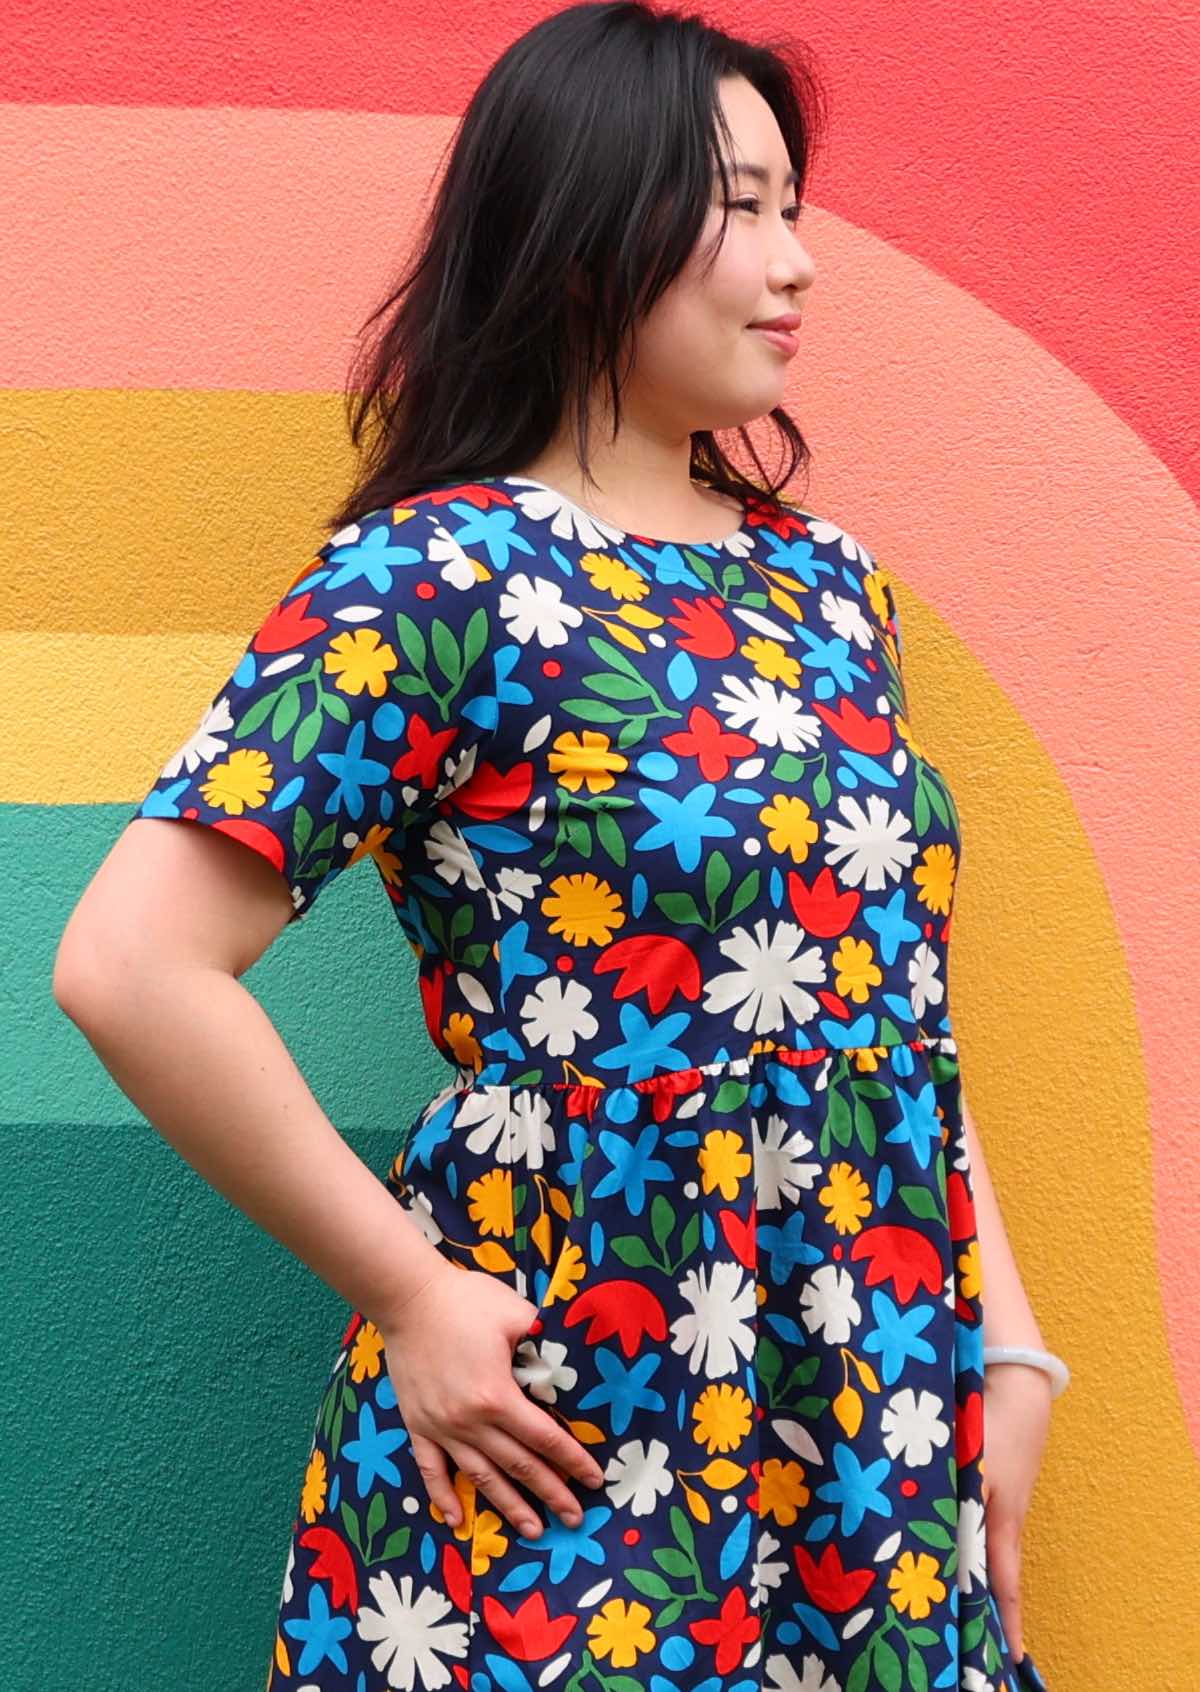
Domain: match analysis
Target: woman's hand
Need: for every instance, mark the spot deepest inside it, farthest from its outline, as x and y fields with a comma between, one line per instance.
x=1016, y=1425
x=449, y=1352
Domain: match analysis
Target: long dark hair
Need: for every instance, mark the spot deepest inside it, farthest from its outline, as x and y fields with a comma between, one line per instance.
x=579, y=180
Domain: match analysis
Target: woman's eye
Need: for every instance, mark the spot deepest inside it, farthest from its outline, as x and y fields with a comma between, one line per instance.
x=793, y=211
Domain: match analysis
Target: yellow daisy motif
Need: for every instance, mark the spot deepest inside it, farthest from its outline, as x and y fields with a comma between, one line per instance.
x=723, y=1162
x=845, y=1197
x=723, y=1415
x=490, y=1203
x=857, y=971
x=459, y=1035
x=359, y=659
x=577, y=759
x=970, y=1268
x=773, y=661
x=934, y=877
x=610, y=575
x=366, y=1349
x=618, y=1631
x=568, y=1272
x=914, y=1584
x=867, y=1059
x=790, y=826
x=242, y=782
x=585, y=909
x=781, y=1491
x=316, y=1483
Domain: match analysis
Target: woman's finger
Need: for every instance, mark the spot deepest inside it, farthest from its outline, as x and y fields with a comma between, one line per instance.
x=487, y=1477
x=431, y=1461
x=520, y=1463
x=1004, y=1573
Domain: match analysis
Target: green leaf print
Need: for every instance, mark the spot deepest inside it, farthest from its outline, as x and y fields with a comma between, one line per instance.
x=717, y=876
x=662, y=1220
x=671, y=1613
x=746, y=894
x=887, y=1666
x=649, y=1584
x=376, y=1514
x=918, y=1677
x=921, y=1202
x=635, y=1253
x=395, y=1545
x=679, y=908
x=593, y=711
x=932, y=1533
x=350, y=1518
x=610, y=837
x=445, y=650
x=412, y=642
x=690, y=1240
x=287, y=710
x=856, y=1680
x=675, y=1562
x=682, y=1530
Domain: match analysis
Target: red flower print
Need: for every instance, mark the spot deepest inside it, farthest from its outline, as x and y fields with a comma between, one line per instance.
x=422, y=762
x=490, y=795
x=714, y=747
x=742, y=1236
x=829, y=1585
x=705, y=632
x=624, y=1308
x=968, y=1429
x=903, y=1256
x=731, y=1634
x=459, y=1582
x=660, y=965
x=334, y=1563
x=960, y=1207
x=822, y=907
x=527, y=1633
x=872, y=735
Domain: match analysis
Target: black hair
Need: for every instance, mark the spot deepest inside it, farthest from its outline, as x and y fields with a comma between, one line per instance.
x=579, y=180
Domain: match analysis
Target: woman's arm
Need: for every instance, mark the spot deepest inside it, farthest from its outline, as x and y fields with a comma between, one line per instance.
x=1008, y=1314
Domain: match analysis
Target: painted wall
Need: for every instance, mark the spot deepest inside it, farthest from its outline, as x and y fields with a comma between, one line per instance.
x=998, y=378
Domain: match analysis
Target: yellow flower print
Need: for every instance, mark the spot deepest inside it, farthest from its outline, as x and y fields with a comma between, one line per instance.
x=619, y=1630
x=723, y=1162
x=577, y=759
x=359, y=659
x=244, y=780
x=316, y=1479
x=906, y=735
x=459, y=1036
x=610, y=575
x=773, y=661
x=488, y=1541
x=867, y=1058
x=846, y=1199
x=723, y=1415
x=366, y=1348
x=934, y=877
x=914, y=1583
x=790, y=826
x=490, y=1203
x=970, y=1268
x=568, y=1272
x=585, y=909
x=857, y=971
x=374, y=844
x=781, y=1491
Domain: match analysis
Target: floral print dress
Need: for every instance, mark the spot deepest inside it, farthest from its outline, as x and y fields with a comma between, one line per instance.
x=679, y=879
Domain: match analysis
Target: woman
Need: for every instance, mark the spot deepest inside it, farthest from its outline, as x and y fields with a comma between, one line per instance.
x=665, y=1359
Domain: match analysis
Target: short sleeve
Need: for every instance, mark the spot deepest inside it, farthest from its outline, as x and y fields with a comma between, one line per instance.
x=351, y=709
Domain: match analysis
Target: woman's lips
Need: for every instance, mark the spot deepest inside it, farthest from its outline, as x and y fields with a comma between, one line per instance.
x=785, y=339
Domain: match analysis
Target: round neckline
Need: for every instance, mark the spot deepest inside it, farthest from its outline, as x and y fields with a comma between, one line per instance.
x=607, y=523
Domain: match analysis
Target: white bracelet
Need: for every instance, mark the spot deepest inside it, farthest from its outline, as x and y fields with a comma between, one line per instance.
x=1049, y=1361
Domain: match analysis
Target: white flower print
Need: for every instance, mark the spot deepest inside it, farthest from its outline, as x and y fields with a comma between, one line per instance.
x=566, y=519
x=541, y=1366
x=451, y=857
x=972, y=1545
x=812, y=1676
x=767, y=979
x=639, y=1475
x=206, y=744
x=827, y=1303
x=724, y=1302
x=513, y=1126
x=457, y=567
x=779, y=1175
x=555, y=1017
x=871, y=841
x=913, y=1425
x=411, y=1635
x=537, y=607
x=927, y=988
x=847, y=619
x=768, y=1572
x=770, y=715
x=826, y=533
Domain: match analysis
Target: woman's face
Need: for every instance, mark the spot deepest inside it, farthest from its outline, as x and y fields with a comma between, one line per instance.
x=699, y=364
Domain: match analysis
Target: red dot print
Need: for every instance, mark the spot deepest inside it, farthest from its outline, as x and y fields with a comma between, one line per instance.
x=191, y=812
x=909, y=1488
x=871, y=664
x=631, y=1535
x=426, y=590
x=564, y=965
x=759, y=1411
x=837, y=1252
x=929, y=931
x=552, y=667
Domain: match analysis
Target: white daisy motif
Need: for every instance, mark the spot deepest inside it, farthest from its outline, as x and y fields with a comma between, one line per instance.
x=724, y=1303
x=768, y=1571
x=779, y=1175
x=771, y=966
x=826, y=533
x=513, y=1126
x=871, y=842
x=554, y=1015
x=770, y=715
x=828, y=1304
x=457, y=567
x=926, y=987
x=566, y=519
x=411, y=1635
x=639, y=1475
x=451, y=857
x=913, y=1425
x=206, y=744
x=537, y=607
x=972, y=1545
x=845, y=617
x=541, y=1367
x=811, y=1678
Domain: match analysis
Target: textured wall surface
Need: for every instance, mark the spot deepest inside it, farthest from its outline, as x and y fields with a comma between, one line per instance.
x=998, y=376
